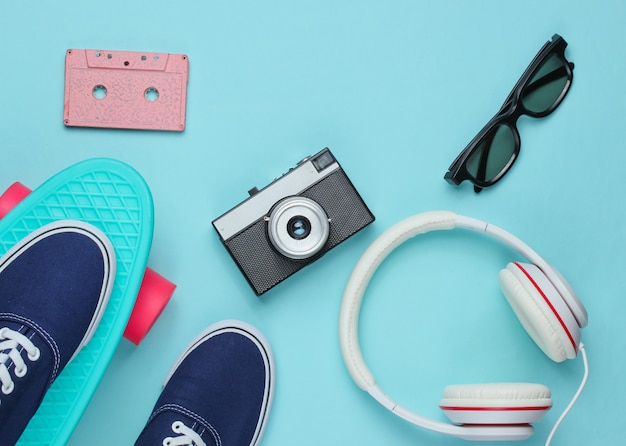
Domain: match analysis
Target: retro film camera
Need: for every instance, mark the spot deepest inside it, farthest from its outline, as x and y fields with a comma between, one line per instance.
x=293, y=221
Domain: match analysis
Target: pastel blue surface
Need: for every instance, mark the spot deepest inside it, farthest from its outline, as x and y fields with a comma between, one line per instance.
x=396, y=90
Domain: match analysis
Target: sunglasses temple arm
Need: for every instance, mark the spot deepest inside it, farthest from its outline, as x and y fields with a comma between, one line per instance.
x=482, y=162
x=516, y=88
x=524, y=77
x=549, y=77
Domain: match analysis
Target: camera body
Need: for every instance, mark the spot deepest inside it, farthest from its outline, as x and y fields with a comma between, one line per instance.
x=293, y=221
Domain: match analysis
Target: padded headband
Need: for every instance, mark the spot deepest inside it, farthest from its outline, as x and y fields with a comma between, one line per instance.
x=367, y=265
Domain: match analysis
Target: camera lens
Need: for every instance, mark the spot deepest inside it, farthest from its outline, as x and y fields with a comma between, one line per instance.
x=298, y=227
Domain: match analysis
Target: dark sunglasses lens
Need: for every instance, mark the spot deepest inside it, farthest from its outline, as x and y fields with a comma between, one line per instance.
x=492, y=154
x=546, y=86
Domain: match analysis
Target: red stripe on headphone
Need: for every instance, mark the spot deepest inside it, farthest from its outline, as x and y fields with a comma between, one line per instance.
x=545, y=298
x=495, y=408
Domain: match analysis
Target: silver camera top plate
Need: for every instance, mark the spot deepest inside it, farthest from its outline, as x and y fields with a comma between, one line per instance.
x=308, y=172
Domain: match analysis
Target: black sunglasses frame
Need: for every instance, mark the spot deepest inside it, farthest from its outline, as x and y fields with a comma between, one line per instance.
x=508, y=115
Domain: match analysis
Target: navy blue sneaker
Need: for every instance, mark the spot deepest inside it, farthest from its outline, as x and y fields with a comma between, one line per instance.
x=54, y=286
x=219, y=392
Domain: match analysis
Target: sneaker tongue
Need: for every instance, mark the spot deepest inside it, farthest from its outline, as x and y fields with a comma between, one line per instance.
x=20, y=404
x=166, y=424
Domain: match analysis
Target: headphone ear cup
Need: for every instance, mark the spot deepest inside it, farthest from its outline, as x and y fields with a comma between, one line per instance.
x=496, y=403
x=541, y=310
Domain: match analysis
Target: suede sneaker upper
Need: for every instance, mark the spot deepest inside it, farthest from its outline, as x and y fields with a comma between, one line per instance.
x=54, y=286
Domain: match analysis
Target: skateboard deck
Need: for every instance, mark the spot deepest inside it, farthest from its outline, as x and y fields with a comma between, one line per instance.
x=113, y=197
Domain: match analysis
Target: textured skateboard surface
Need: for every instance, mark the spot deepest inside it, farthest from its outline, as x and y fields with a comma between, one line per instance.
x=113, y=197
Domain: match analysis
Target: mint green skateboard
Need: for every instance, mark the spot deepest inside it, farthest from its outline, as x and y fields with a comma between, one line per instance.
x=113, y=197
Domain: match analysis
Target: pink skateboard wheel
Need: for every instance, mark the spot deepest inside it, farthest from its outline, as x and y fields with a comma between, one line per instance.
x=154, y=294
x=15, y=193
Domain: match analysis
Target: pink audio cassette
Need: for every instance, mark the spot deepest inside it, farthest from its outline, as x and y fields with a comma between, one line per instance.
x=124, y=89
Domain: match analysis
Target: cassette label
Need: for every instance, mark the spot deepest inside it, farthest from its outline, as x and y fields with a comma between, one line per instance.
x=125, y=89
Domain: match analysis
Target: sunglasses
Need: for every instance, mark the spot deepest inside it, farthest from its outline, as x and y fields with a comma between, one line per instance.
x=537, y=93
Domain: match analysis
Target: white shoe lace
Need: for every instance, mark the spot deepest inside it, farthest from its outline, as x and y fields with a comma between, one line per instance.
x=12, y=344
x=188, y=436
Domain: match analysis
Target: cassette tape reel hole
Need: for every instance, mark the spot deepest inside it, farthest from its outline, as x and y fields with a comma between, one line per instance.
x=151, y=94
x=99, y=92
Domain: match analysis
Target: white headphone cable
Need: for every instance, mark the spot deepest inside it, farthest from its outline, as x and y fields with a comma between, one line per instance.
x=581, y=348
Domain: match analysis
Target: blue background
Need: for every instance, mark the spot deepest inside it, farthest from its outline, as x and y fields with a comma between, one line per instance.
x=396, y=89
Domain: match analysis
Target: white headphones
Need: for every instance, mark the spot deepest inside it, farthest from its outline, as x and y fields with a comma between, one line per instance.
x=543, y=301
